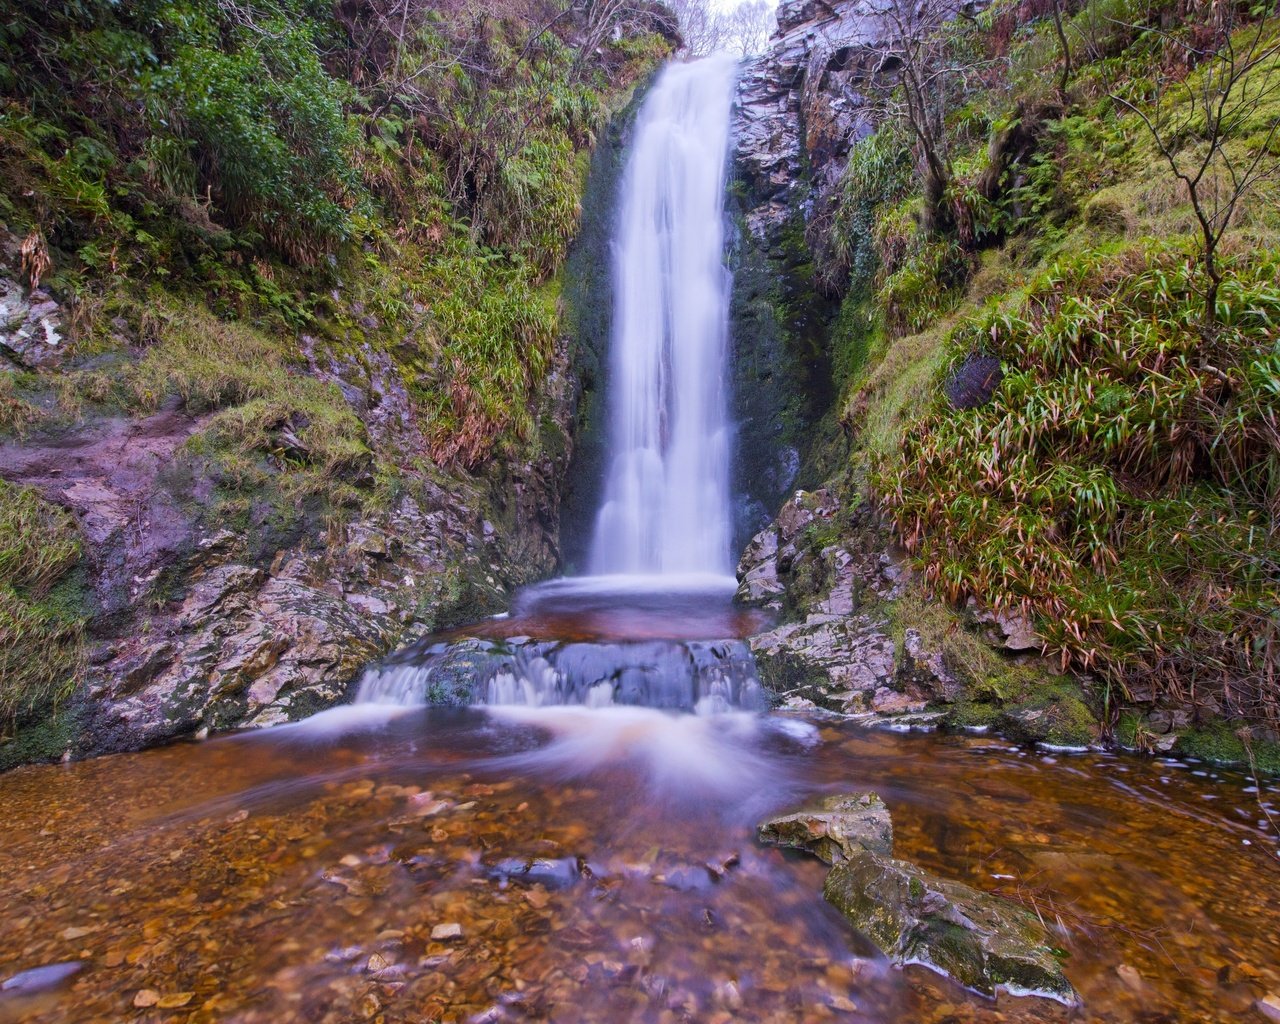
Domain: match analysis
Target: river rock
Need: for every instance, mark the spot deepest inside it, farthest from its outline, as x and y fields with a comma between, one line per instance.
x=834, y=829
x=1269, y=1007
x=981, y=941
x=38, y=979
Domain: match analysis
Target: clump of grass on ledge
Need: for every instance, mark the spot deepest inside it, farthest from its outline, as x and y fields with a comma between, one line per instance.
x=41, y=605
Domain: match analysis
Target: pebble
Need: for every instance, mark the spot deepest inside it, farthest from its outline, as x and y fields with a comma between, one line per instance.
x=1131, y=978
x=1269, y=1006
x=445, y=932
x=41, y=977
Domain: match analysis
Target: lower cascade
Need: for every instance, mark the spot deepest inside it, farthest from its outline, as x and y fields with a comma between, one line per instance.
x=703, y=676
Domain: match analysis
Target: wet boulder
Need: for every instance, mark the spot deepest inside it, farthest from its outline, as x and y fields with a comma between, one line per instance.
x=980, y=940
x=834, y=829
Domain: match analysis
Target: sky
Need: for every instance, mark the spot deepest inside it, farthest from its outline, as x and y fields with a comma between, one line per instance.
x=728, y=5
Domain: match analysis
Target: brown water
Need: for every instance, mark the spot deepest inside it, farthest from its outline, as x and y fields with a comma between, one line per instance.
x=298, y=874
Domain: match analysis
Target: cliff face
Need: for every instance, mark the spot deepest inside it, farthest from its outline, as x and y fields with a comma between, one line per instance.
x=800, y=108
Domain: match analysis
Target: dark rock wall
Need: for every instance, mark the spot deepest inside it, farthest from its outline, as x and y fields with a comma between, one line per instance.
x=797, y=115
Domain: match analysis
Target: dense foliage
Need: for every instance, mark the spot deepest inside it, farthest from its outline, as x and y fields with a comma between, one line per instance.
x=1120, y=484
x=250, y=157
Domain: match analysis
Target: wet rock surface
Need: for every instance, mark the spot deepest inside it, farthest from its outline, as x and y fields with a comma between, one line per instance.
x=834, y=829
x=800, y=103
x=807, y=100
x=980, y=940
x=31, y=329
x=832, y=581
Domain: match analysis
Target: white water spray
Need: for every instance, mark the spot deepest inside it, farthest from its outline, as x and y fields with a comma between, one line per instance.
x=666, y=496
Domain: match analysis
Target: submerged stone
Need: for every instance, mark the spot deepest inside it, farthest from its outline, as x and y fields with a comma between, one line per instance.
x=40, y=978
x=834, y=829
x=558, y=873
x=978, y=939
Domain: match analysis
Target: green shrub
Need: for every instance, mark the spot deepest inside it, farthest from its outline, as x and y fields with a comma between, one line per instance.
x=924, y=287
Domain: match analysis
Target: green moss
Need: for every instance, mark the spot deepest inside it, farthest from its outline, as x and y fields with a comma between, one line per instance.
x=45, y=738
x=1222, y=743
x=1052, y=712
x=972, y=714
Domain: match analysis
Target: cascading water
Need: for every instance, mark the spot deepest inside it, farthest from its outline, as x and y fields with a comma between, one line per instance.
x=652, y=625
x=666, y=496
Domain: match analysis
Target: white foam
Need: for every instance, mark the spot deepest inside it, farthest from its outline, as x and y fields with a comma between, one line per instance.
x=709, y=753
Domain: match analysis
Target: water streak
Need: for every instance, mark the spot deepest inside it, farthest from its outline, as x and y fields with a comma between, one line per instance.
x=666, y=496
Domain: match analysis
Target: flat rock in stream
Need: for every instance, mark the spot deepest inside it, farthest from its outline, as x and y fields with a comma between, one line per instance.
x=834, y=829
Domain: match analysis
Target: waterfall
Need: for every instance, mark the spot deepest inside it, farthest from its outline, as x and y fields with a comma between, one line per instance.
x=666, y=496
x=669, y=639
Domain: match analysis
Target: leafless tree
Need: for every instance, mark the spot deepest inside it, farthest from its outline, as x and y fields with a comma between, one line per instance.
x=918, y=58
x=743, y=29
x=1198, y=119
x=750, y=25
x=1064, y=76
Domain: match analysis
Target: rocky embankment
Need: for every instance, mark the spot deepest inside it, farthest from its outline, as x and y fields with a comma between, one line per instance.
x=197, y=622
x=856, y=636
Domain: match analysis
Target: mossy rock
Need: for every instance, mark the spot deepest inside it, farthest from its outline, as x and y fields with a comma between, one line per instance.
x=980, y=940
x=973, y=714
x=1220, y=742
x=1056, y=715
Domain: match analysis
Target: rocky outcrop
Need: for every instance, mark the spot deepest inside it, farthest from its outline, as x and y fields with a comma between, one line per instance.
x=982, y=941
x=807, y=100
x=205, y=618
x=835, y=829
x=31, y=331
x=801, y=104
x=833, y=578
x=799, y=110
